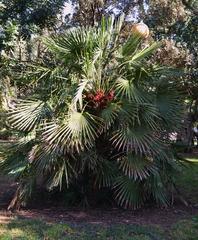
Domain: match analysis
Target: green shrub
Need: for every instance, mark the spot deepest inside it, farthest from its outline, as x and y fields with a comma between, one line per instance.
x=98, y=116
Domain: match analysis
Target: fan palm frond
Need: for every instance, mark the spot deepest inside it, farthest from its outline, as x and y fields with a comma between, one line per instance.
x=126, y=88
x=28, y=113
x=78, y=131
x=13, y=166
x=170, y=108
x=149, y=115
x=157, y=189
x=110, y=114
x=137, y=167
x=61, y=173
x=131, y=45
x=74, y=44
x=79, y=93
x=24, y=141
x=139, y=139
x=146, y=52
x=128, y=193
x=106, y=174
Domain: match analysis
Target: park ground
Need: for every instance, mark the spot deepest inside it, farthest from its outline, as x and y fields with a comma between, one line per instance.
x=178, y=222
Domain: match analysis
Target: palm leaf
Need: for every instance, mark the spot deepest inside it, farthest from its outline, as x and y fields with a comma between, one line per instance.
x=126, y=88
x=157, y=189
x=74, y=44
x=106, y=173
x=78, y=131
x=137, y=167
x=23, y=142
x=130, y=46
x=79, y=94
x=110, y=114
x=149, y=115
x=170, y=108
x=60, y=173
x=139, y=139
x=128, y=193
x=145, y=52
x=27, y=114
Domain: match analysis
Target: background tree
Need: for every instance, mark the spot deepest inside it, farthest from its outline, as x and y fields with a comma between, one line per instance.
x=23, y=23
x=176, y=22
x=90, y=12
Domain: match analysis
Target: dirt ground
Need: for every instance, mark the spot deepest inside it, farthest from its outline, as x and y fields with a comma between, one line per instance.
x=155, y=216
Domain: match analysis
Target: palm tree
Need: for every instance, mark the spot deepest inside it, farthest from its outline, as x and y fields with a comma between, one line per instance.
x=95, y=114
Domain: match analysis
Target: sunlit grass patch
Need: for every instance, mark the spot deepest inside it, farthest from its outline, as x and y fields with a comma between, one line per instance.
x=187, y=180
x=38, y=230
x=22, y=229
x=3, y=229
x=185, y=230
x=58, y=231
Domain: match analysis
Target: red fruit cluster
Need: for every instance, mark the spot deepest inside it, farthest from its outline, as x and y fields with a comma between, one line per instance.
x=100, y=99
x=100, y=95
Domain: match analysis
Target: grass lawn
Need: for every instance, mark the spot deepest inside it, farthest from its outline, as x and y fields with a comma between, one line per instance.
x=38, y=230
x=187, y=181
x=35, y=230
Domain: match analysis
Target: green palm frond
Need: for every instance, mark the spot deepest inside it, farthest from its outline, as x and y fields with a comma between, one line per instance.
x=149, y=115
x=60, y=174
x=90, y=160
x=110, y=114
x=131, y=46
x=128, y=193
x=170, y=108
x=26, y=114
x=109, y=33
x=43, y=158
x=48, y=161
x=13, y=165
x=74, y=44
x=139, y=139
x=79, y=93
x=128, y=112
x=146, y=52
x=37, y=73
x=137, y=167
x=157, y=189
x=79, y=130
x=106, y=31
x=24, y=143
x=14, y=162
x=106, y=174
x=127, y=89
